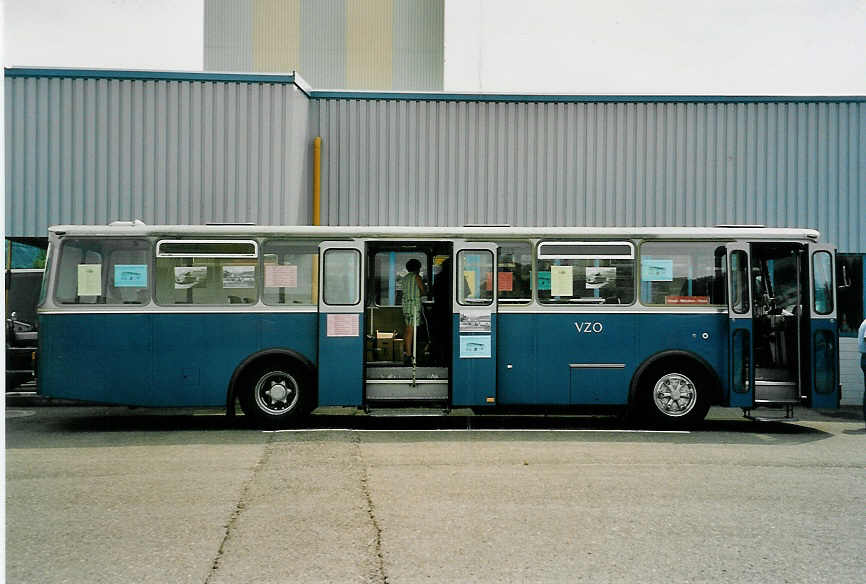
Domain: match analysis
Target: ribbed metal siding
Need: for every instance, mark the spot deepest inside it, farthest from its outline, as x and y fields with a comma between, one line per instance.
x=228, y=35
x=96, y=150
x=334, y=44
x=407, y=162
x=323, y=42
x=418, y=54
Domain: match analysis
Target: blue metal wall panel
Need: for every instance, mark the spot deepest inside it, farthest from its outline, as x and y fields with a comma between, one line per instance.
x=677, y=163
x=164, y=150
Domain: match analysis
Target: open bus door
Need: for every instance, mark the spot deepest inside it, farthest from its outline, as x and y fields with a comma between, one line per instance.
x=741, y=370
x=823, y=340
x=341, y=326
x=474, y=324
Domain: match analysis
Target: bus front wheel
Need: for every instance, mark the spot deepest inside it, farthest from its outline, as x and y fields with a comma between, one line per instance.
x=274, y=395
x=676, y=396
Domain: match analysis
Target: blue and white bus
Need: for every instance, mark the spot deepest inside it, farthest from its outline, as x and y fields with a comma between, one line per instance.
x=659, y=322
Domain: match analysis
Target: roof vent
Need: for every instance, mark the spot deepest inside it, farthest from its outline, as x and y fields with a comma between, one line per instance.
x=742, y=226
x=133, y=223
x=486, y=225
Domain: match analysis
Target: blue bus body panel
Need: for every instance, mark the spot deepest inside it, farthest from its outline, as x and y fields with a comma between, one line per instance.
x=341, y=380
x=541, y=349
x=160, y=359
x=686, y=332
x=473, y=379
x=824, y=370
x=106, y=358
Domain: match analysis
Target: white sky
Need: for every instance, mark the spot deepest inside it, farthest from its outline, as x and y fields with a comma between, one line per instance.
x=538, y=46
x=118, y=34
x=658, y=46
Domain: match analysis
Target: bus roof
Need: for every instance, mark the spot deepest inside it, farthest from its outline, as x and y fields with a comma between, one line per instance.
x=417, y=232
x=424, y=232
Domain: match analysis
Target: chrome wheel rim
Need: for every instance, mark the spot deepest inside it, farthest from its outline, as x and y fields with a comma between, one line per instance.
x=276, y=393
x=675, y=395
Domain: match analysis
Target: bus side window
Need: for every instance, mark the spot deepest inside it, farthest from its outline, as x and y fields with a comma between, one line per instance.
x=109, y=271
x=682, y=273
x=290, y=272
x=477, y=270
x=342, y=275
x=514, y=267
x=822, y=285
x=206, y=272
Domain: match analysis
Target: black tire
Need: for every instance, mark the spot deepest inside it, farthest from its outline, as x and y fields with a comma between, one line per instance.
x=276, y=394
x=675, y=395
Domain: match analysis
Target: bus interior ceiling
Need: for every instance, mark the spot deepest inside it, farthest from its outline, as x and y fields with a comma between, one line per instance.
x=389, y=375
x=778, y=292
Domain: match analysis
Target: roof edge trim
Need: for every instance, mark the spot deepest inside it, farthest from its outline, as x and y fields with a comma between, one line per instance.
x=564, y=98
x=135, y=74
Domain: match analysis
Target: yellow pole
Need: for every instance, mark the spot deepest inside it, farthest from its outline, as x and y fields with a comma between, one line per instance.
x=317, y=193
x=317, y=179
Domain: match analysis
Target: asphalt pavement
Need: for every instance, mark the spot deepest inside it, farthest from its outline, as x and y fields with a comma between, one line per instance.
x=99, y=494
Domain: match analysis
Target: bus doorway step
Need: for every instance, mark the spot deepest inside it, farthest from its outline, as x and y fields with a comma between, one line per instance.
x=786, y=414
x=406, y=412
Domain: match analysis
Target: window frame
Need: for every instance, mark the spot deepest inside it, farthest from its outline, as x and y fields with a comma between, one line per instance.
x=532, y=262
x=159, y=254
x=537, y=258
x=314, y=296
x=711, y=306
x=360, y=275
x=55, y=272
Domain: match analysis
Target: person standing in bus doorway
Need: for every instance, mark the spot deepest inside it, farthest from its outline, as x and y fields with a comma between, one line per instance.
x=413, y=290
x=861, y=346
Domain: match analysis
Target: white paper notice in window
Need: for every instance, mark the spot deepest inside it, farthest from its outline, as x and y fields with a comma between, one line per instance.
x=343, y=325
x=89, y=279
x=281, y=276
x=561, y=282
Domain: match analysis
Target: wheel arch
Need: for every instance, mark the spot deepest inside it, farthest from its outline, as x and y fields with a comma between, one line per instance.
x=257, y=358
x=676, y=355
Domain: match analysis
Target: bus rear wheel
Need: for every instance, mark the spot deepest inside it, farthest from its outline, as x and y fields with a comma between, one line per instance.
x=676, y=397
x=274, y=395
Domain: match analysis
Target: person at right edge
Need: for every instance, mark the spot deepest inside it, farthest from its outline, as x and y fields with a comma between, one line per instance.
x=861, y=346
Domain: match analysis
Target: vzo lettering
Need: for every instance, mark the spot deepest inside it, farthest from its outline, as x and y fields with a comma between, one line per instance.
x=589, y=327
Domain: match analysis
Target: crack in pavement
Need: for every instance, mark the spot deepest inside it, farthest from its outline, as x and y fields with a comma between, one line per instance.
x=380, y=575
x=240, y=506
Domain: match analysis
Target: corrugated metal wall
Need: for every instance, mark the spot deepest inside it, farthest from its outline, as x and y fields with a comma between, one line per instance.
x=357, y=44
x=429, y=162
x=228, y=35
x=83, y=150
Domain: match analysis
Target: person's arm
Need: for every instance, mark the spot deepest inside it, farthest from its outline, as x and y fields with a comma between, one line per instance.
x=420, y=283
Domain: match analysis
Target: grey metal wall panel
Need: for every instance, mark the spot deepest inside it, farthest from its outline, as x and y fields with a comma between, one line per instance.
x=426, y=162
x=323, y=42
x=90, y=151
x=418, y=55
x=228, y=35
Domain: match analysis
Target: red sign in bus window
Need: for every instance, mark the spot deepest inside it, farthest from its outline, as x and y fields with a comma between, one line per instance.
x=687, y=300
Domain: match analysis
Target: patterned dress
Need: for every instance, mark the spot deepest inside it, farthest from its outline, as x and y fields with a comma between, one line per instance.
x=411, y=299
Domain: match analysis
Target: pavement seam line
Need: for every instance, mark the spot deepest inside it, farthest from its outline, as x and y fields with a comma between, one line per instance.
x=371, y=510
x=240, y=506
